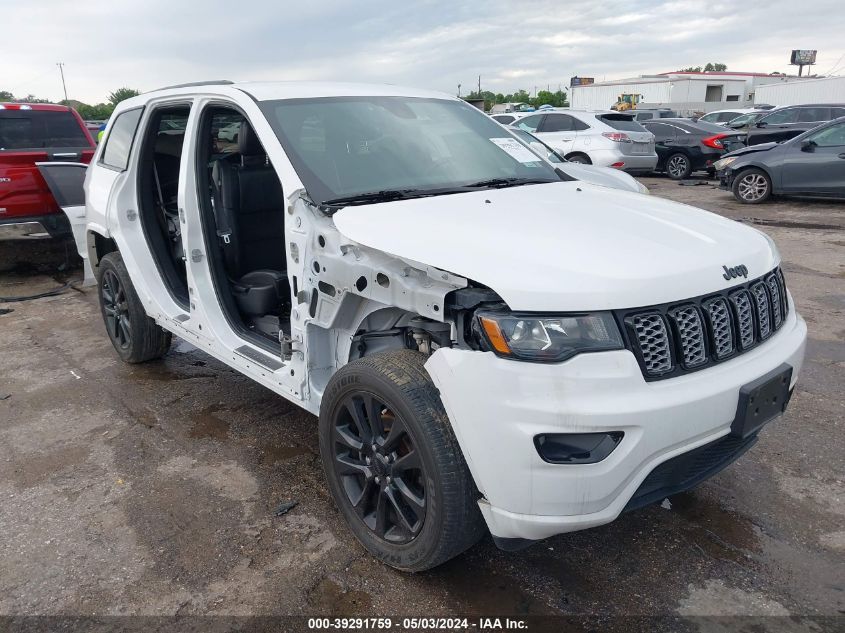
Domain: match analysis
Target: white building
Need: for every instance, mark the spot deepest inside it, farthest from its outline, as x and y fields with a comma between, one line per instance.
x=796, y=92
x=682, y=91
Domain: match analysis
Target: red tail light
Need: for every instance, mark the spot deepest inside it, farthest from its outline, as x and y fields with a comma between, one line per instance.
x=714, y=141
x=619, y=137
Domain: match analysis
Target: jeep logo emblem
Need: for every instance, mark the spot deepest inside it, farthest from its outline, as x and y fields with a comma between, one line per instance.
x=736, y=271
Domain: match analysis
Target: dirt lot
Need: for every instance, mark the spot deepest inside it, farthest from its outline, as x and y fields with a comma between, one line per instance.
x=151, y=489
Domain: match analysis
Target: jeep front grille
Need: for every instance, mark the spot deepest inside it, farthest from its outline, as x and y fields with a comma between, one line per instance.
x=685, y=336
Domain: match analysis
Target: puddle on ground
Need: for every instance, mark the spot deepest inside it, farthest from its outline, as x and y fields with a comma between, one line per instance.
x=485, y=592
x=208, y=425
x=281, y=452
x=329, y=599
x=718, y=532
x=164, y=370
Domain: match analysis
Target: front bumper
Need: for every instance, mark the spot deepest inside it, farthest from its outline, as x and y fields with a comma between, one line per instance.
x=32, y=228
x=497, y=406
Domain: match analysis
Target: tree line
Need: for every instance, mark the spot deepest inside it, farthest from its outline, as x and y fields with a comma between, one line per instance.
x=557, y=99
x=96, y=112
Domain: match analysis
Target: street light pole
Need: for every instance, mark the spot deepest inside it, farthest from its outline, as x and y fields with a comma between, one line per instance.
x=61, y=70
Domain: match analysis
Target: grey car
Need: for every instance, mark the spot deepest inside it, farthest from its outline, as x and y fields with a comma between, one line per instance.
x=812, y=164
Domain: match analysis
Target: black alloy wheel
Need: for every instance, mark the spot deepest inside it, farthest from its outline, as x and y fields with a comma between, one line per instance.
x=678, y=166
x=379, y=467
x=116, y=310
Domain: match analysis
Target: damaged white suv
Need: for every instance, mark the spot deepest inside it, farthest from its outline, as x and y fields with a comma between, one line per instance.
x=487, y=340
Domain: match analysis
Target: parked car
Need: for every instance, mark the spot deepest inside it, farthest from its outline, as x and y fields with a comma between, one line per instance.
x=785, y=123
x=32, y=133
x=812, y=164
x=645, y=114
x=721, y=117
x=489, y=344
x=684, y=146
x=505, y=119
x=607, y=139
x=604, y=176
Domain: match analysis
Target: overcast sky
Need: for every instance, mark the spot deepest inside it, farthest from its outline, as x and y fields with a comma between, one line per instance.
x=432, y=44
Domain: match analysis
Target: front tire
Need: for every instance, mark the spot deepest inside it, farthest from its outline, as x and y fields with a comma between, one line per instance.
x=752, y=186
x=678, y=166
x=135, y=336
x=393, y=464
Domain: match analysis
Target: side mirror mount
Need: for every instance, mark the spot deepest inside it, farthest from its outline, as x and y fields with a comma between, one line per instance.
x=761, y=124
x=808, y=146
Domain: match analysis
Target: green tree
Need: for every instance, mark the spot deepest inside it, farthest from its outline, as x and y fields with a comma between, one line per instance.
x=5, y=95
x=121, y=94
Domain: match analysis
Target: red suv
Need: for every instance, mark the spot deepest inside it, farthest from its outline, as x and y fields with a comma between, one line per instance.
x=33, y=133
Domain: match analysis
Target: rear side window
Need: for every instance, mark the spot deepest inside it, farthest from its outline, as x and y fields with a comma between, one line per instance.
x=557, y=123
x=620, y=122
x=789, y=115
x=119, y=140
x=39, y=129
x=809, y=115
x=504, y=119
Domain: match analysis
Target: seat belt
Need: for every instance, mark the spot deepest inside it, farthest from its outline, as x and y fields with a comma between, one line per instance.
x=224, y=228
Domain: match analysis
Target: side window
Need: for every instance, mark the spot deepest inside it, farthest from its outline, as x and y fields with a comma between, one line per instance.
x=724, y=117
x=833, y=136
x=578, y=125
x=504, y=119
x=787, y=115
x=530, y=123
x=811, y=115
x=645, y=116
x=119, y=141
x=835, y=113
x=557, y=123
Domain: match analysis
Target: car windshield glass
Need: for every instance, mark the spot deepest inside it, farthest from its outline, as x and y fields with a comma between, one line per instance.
x=36, y=129
x=343, y=147
x=745, y=119
x=621, y=122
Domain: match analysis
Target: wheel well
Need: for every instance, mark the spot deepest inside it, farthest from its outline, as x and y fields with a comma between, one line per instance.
x=745, y=168
x=571, y=154
x=98, y=247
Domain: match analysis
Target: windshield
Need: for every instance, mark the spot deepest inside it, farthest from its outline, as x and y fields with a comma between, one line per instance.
x=622, y=122
x=347, y=146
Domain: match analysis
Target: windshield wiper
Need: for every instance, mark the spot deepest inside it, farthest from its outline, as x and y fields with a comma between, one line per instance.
x=369, y=197
x=499, y=183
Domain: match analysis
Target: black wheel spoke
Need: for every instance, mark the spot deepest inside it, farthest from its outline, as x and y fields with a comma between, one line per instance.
x=374, y=408
x=354, y=406
x=344, y=436
x=397, y=430
x=406, y=522
x=346, y=465
x=381, y=526
x=407, y=462
x=124, y=331
x=410, y=497
x=360, y=504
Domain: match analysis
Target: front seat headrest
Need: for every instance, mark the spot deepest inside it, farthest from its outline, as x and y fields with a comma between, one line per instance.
x=248, y=143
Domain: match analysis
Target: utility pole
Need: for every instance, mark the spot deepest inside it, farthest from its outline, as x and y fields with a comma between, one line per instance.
x=479, y=86
x=459, y=91
x=61, y=70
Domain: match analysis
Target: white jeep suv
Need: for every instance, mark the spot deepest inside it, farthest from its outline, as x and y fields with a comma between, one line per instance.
x=489, y=343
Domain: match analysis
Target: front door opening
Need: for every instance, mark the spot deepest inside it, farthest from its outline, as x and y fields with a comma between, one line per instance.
x=242, y=210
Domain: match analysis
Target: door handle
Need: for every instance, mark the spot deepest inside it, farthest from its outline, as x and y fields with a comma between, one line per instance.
x=842, y=155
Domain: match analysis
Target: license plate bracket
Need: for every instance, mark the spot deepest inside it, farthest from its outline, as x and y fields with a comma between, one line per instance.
x=762, y=401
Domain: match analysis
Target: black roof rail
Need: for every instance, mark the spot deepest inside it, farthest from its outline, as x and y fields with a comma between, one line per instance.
x=210, y=82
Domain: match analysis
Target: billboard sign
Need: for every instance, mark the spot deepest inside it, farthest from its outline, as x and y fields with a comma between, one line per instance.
x=802, y=58
x=581, y=81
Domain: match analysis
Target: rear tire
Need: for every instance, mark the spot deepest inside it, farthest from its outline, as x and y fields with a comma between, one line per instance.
x=135, y=336
x=393, y=464
x=581, y=159
x=678, y=166
x=752, y=186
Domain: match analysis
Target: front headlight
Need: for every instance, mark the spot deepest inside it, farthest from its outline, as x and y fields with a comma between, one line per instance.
x=549, y=339
x=720, y=164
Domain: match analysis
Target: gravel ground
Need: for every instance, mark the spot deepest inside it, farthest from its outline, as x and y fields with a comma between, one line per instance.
x=151, y=489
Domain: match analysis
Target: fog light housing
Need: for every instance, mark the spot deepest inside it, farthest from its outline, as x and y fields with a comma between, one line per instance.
x=576, y=448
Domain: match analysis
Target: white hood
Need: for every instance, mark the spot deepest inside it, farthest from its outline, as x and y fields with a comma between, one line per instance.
x=566, y=246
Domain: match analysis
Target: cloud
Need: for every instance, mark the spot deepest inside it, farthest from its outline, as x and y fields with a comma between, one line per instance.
x=431, y=44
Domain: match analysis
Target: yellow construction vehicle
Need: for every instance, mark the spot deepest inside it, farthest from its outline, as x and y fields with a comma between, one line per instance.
x=626, y=102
